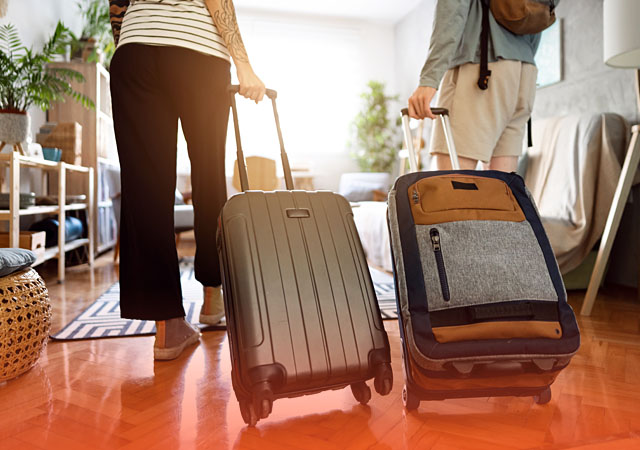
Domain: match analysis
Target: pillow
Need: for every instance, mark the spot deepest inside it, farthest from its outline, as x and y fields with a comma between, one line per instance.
x=359, y=186
x=360, y=191
x=15, y=259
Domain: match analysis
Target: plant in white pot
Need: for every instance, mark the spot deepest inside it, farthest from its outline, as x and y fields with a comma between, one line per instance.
x=26, y=80
x=375, y=147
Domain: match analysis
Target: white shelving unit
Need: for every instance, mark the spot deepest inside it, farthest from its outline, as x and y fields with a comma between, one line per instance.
x=13, y=214
x=108, y=174
x=98, y=145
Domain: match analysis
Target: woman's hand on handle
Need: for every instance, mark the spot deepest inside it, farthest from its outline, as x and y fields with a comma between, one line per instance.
x=251, y=86
x=224, y=16
x=420, y=101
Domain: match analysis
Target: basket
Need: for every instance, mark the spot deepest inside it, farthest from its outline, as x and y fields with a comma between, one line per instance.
x=25, y=319
x=68, y=138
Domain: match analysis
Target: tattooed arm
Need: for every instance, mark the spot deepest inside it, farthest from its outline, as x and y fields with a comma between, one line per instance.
x=117, y=8
x=224, y=17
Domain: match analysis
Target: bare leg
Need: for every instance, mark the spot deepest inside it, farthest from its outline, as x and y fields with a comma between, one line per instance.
x=502, y=163
x=213, y=306
x=172, y=336
x=443, y=162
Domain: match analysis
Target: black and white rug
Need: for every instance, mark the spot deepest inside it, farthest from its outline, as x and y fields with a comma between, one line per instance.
x=102, y=318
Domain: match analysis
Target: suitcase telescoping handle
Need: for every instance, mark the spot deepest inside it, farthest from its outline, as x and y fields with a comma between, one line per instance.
x=443, y=114
x=242, y=167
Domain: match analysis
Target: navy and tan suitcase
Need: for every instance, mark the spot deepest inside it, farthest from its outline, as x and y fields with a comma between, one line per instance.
x=302, y=314
x=482, y=307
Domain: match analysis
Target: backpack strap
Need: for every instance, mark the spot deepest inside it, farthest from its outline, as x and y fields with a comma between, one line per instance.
x=485, y=73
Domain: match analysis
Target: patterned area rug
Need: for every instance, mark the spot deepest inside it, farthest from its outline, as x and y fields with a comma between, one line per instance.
x=102, y=319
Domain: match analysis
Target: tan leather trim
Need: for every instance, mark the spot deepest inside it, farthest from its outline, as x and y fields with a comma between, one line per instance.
x=436, y=200
x=498, y=330
x=523, y=380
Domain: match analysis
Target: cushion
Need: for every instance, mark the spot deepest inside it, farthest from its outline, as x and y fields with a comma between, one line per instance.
x=15, y=259
x=360, y=191
x=359, y=186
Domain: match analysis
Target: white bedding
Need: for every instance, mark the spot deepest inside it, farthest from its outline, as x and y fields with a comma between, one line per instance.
x=371, y=222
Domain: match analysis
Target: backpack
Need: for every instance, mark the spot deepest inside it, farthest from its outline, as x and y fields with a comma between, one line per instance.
x=524, y=16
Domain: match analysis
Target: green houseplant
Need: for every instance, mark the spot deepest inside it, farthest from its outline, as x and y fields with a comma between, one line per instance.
x=376, y=142
x=95, y=42
x=26, y=80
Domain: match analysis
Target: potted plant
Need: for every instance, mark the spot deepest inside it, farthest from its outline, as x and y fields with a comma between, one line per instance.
x=376, y=141
x=95, y=43
x=375, y=148
x=25, y=80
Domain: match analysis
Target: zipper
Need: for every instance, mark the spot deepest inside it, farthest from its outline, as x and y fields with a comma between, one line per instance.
x=416, y=197
x=442, y=271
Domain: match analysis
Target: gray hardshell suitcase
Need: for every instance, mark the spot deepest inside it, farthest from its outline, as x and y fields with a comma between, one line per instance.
x=482, y=307
x=302, y=315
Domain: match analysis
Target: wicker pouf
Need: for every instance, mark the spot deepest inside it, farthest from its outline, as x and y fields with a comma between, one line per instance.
x=25, y=319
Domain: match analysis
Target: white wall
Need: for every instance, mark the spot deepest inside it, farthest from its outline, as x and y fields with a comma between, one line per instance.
x=412, y=36
x=319, y=66
x=35, y=21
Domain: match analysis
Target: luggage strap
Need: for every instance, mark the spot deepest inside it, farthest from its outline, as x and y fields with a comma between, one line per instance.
x=488, y=312
x=485, y=73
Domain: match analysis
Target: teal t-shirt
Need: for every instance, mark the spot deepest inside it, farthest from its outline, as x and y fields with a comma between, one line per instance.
x=455, y=40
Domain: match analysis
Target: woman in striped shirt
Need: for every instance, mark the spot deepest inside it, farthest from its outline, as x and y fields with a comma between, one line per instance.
x=172, y=62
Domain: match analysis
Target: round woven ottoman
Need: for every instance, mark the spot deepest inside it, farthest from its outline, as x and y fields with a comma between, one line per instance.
x=25, y=319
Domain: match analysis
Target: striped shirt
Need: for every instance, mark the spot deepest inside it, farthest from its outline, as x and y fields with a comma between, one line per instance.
x=175, y=23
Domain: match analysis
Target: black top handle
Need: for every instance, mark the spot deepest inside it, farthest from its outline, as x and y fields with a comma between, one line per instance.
x=235, y=88
x=242, y=168
x=435, y=111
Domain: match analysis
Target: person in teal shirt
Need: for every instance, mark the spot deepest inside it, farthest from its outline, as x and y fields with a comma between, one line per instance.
x=488, y=125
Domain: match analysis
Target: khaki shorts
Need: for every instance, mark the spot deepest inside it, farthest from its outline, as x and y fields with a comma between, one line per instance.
x=491, y=122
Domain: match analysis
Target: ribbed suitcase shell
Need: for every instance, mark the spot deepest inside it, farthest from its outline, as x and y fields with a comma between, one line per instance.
x=301, y=309
x=302, y=314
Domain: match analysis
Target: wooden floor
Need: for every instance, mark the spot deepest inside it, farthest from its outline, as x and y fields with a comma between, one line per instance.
x=109, y=393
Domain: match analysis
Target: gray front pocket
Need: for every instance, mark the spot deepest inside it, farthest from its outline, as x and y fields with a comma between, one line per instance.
x=478, y=262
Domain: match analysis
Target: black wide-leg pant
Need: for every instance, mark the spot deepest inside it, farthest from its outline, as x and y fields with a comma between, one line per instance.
x=151, y=88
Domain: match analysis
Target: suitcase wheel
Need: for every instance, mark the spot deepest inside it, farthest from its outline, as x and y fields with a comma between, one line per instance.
x=361, y=392
x=262, y=399
x=383, y=381
x=248, y=413
x=265, y=409
x=543, y=397
x=409, y=400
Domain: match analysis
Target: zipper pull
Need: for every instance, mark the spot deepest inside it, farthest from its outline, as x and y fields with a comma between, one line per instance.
x=416, y=198
x=435, y=240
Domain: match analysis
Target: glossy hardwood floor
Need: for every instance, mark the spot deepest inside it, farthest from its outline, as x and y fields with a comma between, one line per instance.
x=110, y=394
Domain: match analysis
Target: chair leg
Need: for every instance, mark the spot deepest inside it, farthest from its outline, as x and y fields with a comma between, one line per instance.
x=613, y=220
x=177, y=240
